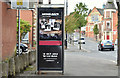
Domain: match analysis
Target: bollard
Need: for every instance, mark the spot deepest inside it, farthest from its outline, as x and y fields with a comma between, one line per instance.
x=30, y=58
x=21, y=63
x=12, y=67
x=24, y=58
x=27, y=56
x=5, y=69
x=17, y=64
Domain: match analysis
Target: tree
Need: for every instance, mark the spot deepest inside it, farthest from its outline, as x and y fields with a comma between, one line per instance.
x=81, y=12
x=96, y=30
x=24, y=28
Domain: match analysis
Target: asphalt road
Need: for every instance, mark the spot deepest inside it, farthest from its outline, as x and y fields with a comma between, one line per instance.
x=92, y=47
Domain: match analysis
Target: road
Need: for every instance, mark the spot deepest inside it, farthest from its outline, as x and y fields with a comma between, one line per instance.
x=92, y=47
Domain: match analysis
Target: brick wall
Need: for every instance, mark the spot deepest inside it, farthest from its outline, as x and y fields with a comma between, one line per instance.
x=27, y=16
x=115, y=22
x=8, y=30
x=90, y=23
x=0, y=31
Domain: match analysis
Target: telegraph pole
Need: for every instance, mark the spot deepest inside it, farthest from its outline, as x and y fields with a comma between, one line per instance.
x=118, y=57
x=66, y=30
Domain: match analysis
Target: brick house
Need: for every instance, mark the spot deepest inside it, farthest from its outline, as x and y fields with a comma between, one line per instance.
x=95, y=16
x=106, y=19
x=110, y=22
x=8, y=22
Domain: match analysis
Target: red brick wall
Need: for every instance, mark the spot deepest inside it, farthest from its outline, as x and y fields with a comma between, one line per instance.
x=27, y=16
x=8, y=31
x=115, y=22
x=91, y=33
x=0, y=31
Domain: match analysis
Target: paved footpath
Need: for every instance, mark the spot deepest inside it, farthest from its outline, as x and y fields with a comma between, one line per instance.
x=77, y=63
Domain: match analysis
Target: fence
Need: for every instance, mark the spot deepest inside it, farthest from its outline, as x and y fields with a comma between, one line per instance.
x=17, y=64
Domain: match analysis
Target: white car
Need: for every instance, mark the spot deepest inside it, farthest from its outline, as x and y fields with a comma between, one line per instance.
x=82, y=41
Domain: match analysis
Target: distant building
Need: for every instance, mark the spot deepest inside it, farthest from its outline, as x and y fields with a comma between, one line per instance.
x=109, y=22
x=106, y=19
x=95, y=16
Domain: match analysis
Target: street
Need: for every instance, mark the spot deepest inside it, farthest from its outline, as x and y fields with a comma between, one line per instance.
x=89, y=61
x=92, y=47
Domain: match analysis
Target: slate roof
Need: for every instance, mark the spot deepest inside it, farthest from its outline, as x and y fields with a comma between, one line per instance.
x=101, y=11
x=110, y=5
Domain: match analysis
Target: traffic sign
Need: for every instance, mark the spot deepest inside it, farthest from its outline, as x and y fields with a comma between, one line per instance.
x=19, y=4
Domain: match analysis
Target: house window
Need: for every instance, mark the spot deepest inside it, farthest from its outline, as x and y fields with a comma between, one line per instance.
x=91, y=28
x=108, y=24
x=108, y=14
x=94, y=18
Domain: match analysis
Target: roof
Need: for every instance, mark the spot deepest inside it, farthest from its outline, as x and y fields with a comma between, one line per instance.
x=110, y=5
x=89, y=11
x=101, y=11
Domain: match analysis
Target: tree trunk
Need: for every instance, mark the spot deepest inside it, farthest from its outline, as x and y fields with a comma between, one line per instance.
x=73, y=39
x=80, y=39
x=96, y=37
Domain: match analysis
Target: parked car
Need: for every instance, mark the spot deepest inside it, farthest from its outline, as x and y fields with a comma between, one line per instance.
x=105, y=44
x=75, y=40
x=82, y=41
x=23, y=48
x=116, y=41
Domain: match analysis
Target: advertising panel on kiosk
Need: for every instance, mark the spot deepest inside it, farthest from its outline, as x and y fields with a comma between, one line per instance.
x=50, y=52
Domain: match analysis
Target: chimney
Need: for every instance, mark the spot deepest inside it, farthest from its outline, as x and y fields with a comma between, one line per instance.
x=103, y=6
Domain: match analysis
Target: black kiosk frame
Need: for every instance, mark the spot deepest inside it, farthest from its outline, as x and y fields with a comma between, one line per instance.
x=50, y=39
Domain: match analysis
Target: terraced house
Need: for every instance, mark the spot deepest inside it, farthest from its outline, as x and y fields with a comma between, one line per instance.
x=106, y=19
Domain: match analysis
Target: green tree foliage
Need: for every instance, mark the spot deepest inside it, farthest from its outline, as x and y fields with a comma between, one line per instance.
x=24, y=28
x=96, y=30
x=76, y=19
x=69, y=23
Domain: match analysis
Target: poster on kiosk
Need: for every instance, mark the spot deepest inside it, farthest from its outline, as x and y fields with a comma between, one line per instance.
x=50, y=52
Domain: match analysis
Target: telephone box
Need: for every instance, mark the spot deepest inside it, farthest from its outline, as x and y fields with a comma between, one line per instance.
x=50, y=37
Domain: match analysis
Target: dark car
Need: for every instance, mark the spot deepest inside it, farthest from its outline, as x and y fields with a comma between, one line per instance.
x=106, y=44
x=23, y=48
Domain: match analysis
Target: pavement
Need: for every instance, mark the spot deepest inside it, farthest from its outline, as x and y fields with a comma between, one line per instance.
x=81, y=63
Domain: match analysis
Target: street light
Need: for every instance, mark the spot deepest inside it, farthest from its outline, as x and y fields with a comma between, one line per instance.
x=118, y=28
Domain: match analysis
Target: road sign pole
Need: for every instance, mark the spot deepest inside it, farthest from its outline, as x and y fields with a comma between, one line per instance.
x=18, y=31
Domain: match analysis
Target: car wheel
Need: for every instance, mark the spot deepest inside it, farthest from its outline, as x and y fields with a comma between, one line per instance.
x=112, y=49
x=101, y=49
x=20, y=51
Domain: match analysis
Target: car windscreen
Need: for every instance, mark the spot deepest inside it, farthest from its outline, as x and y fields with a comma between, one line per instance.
x=106, y=42
x=82, y=39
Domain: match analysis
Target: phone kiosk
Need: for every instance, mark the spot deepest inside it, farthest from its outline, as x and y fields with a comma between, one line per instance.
x=50, y=37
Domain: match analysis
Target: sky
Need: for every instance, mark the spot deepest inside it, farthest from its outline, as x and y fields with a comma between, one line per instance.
x=71, y=3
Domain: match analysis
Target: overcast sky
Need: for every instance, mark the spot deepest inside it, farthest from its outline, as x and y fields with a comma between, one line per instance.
x=71, y=3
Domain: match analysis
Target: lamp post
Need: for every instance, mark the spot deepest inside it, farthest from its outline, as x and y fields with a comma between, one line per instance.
x=118, y=50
